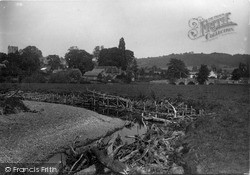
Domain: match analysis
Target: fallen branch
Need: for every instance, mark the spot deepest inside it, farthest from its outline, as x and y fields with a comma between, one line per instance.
x=72, y=169
x=175, y=112
x=132, y=154
x=156, y=119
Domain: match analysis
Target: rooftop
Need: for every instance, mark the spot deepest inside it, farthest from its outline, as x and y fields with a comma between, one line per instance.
x=94, y=72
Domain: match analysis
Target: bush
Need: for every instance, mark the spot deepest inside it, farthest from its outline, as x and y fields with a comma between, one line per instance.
x=126, y=78
x=35, y=78
x=84, y=81
x=59, y=77
x=74, y=75
x=69, y=76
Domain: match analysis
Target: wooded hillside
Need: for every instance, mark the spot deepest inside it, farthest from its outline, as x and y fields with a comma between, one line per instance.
x=196, y=59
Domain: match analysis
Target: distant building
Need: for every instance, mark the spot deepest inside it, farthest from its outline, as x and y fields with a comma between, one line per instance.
x=193, y=74
x=110, y=69
x=102, y=73
x=12, y=49
x=212, y=74
x=95, y=74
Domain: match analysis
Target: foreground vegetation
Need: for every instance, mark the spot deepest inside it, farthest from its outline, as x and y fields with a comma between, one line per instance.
x=218, y=142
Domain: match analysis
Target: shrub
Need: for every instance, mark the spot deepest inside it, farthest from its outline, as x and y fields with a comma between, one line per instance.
x=84, y=81
x=35, y=78
x=59, y=77
x=126, y=78
x=74, y=75
x=69, y=76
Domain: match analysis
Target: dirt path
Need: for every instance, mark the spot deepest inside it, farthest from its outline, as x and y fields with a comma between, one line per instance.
x=33, y=137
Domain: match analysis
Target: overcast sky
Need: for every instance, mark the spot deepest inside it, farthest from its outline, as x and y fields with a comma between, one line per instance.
x=149, y=27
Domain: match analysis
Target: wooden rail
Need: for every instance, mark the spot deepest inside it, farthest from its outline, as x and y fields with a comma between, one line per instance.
x=94, y=99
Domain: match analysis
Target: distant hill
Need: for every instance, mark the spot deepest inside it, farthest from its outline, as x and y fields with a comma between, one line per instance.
x=196, y=59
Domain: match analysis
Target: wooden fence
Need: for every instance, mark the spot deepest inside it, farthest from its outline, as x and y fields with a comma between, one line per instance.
x=158, y=109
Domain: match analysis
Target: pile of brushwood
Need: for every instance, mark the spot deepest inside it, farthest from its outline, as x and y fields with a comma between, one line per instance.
x=12, y=104
x=159, y=150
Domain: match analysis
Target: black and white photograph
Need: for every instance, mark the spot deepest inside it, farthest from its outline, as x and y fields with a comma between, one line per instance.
x=124, y=87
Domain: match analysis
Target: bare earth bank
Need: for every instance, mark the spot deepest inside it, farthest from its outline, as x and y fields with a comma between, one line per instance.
x=34, y=137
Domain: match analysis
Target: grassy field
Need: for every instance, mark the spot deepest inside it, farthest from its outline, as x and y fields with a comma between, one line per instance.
x=212, y=91
x=219, y=142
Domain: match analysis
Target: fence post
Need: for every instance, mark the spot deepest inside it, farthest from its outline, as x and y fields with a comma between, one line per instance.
x=144, y=108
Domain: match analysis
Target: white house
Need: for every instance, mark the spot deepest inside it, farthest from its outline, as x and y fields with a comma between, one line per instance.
x=192, y=74
x=212, y=74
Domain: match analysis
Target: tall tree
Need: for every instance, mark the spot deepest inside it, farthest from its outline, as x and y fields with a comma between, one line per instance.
x=244, y=68
x=176, y=69
x=122, y=44
x=3, y=56
x=13, y=67
x=203, y=74
x=30, y=61
x=80, y=59
x=119, y=57
x=111, y=57
x=241, y=71
x=96, y=51
x=10, y=66
x=236, y=74
x=3, y=66
x=54, y=62
x=124, y=55
x=115, y=57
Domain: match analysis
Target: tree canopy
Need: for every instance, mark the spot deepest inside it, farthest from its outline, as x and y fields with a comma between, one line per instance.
x=9, y=65
x=241, y=71
x=13, y=65
x=122, y=44
x=115, y=57
x=97, y=51
x=176, y=69
x=30, y=61
x=54, y=62
x=80, y=59
x=203, y=74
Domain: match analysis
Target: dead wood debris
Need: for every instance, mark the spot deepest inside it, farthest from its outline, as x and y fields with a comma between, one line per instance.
x=157, y=151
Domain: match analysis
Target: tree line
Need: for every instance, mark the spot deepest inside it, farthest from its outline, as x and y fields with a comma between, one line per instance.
x=177, y=69
x=27, y=61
